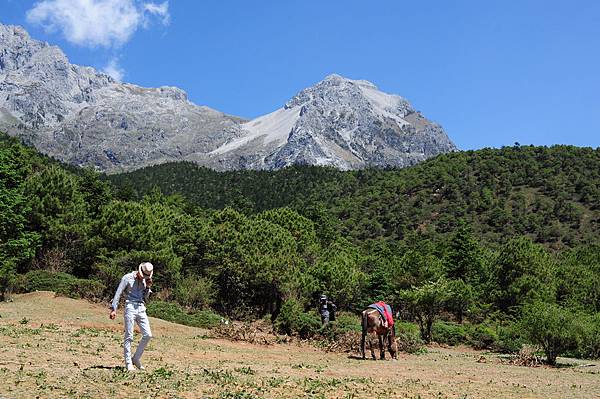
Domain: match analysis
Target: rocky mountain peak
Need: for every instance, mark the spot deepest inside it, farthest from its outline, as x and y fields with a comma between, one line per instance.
x=336, y=90
x=84, y=117
x=339, y=122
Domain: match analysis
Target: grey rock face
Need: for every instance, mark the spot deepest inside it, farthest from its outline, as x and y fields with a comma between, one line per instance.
x=84, y=117
x=345, y=123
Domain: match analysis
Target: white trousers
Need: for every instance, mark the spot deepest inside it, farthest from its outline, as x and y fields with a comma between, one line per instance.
x=135, y=313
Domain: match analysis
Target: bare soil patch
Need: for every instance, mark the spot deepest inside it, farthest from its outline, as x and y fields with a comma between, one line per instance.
x=54, y=347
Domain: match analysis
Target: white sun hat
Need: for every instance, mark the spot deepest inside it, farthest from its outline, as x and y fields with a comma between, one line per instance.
x=146, y=269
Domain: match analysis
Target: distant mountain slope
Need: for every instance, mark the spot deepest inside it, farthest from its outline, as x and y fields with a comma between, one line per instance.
x=550, y=194
x=81, y=116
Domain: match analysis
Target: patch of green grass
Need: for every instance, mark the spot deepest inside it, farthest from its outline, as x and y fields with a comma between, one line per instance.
x=275, y=382
x=238, y=395
x=219, y=377
x=317, y=368
x=121, y=374
x=245, y=370
x=50, y=327
x=158, y=375
x=15, y=331
x=316, y=385
x=91, y=332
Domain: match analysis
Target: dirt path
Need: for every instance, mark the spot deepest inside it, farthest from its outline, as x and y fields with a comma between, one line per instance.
x=59, y=347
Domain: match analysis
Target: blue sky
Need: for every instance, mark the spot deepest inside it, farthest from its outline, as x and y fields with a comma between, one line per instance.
x=491, y=72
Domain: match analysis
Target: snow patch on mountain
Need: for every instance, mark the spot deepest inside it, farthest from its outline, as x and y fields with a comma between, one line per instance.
x=271, y=128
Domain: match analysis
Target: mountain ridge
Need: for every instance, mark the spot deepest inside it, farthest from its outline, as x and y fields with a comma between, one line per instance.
x=86, y=118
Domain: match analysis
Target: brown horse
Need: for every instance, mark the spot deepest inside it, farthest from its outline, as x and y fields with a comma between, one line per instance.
x=372, y=322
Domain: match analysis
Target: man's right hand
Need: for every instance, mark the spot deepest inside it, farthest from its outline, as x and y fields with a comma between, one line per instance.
x=113, y=314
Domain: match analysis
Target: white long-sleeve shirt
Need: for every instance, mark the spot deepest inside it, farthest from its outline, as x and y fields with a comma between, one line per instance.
x=134, y=290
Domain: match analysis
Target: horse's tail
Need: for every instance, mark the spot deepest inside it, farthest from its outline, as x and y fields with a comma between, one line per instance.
x=365, y=322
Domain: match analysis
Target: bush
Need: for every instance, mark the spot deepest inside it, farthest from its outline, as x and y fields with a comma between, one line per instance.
x=292, y=320
x=449, y=333
x=408, y=337
x=8, y=278
x=510, y=340
x=43, y=280
x=552, y=327
x=344, y=323
x=62, y=284
x=110, y=275
x=588, y=343
x=483, y=336
x=173, y=312
x=88, y=289
x=195, y=292
x=424, y=303
x=488, y=335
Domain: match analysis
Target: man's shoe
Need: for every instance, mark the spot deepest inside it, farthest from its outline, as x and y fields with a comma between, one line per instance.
x=130, y=367
x=138, y=364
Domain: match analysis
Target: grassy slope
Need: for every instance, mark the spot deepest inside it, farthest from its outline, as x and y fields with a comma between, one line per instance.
x=59, y=347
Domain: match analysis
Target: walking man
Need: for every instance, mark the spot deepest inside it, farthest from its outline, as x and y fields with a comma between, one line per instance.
x=136, y=288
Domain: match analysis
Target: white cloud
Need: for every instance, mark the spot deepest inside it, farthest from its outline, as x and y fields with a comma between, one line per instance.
x=114, y=70
x=161, y=10
x=93, y=23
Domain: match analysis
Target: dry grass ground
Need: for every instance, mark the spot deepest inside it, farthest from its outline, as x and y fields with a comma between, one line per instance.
x=53, y=347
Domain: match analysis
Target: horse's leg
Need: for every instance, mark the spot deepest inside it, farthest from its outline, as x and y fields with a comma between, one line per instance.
x=392, y=344
x=365, y=327
x=362, y=345
x=371, y=347
x=381, y=348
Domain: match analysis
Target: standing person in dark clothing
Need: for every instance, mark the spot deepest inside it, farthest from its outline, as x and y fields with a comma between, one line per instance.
x=326, y=310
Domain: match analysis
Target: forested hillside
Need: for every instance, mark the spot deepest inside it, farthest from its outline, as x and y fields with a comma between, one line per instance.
x=551, y=195
x=494, y=248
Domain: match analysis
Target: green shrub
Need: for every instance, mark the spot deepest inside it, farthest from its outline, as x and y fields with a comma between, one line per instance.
x=498, y=337
x=110, y=275
x=18, y=283
x=588, y=342
x=43, y=280
x=344, y=322
x=8, y=278
x=88, y=289
x=449, y=333
x=195, y=292
x=406, y=326
x=62, y=284
x=552, y=327
x=483, y=336
x=510, y=339
x=293, y=320
x=173, y=312
x=408, y=337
